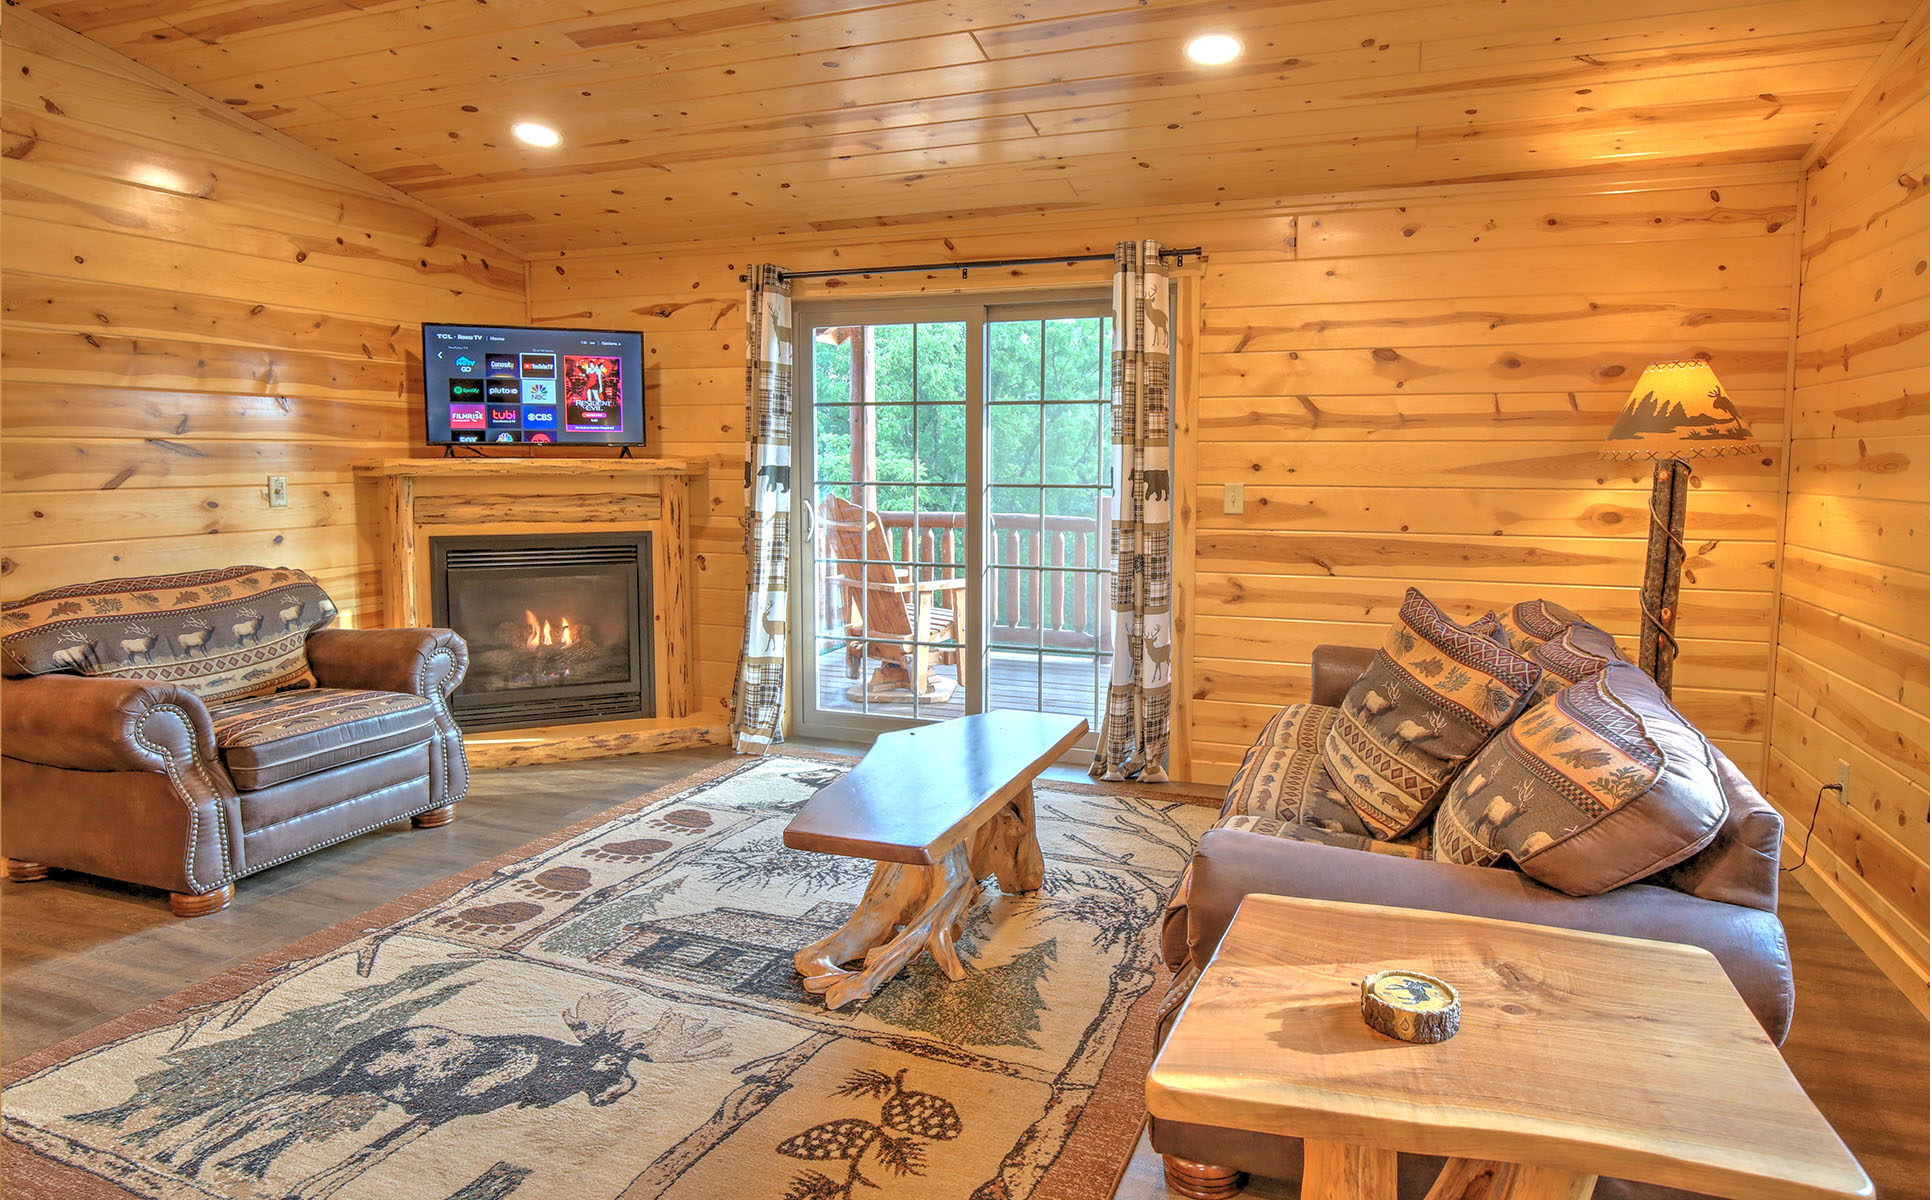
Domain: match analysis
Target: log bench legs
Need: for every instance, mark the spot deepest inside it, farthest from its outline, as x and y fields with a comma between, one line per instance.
x=909, y=908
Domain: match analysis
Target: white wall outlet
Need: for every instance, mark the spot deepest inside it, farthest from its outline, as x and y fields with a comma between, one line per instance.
x=278, y=491
x=1233, y=498
x=1842, y=782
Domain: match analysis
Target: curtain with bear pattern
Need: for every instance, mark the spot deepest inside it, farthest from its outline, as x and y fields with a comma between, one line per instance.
x=757, y=700
x=1139, y=701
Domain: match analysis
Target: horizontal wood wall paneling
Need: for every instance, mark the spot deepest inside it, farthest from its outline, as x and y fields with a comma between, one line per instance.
x=1852, y=678
x=1463, y=459
x=193, y=304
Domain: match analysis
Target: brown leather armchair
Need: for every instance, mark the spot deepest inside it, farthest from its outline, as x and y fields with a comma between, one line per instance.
x=1723, y=899
x=143, y=782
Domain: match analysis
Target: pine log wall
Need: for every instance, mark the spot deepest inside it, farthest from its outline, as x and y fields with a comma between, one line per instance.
x=1853, y=672
x=1412, y=387
x=194, y=303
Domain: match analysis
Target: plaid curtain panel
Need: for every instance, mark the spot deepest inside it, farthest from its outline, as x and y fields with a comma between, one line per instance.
x=1140, y=699
x=757, y=700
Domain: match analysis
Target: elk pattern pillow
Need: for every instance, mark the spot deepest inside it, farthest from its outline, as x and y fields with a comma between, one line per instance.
x=1433, y=695
x=1601, y=785
x=1575, y=654
x=1532, y=622
x=222, y=634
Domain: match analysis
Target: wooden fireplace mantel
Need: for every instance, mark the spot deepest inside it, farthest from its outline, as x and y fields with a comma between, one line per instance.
x=423, y=498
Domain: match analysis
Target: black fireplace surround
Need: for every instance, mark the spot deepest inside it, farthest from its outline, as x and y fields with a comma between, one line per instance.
x=559, y=626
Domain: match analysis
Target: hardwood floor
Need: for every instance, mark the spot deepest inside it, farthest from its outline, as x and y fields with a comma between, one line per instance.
x=80, y=951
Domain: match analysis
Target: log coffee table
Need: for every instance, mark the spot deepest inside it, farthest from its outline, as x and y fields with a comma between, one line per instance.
x=938, y=808
x=1579, y=1054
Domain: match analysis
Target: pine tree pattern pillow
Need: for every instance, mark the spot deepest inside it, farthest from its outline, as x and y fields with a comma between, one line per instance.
x=1601, y=785
x=1532, y=622
x=1578, y=652
x=1434, y=694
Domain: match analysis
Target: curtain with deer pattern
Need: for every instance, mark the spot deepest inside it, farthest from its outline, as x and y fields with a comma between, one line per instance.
x=1139, y=700
x=757, y=700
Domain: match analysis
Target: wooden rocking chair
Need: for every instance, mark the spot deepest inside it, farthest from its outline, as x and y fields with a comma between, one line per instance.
x=904, y=611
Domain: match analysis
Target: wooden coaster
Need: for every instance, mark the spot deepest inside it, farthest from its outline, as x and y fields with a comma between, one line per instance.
x=1410, y=1006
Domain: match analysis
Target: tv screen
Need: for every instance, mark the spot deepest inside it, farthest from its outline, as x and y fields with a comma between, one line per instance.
x=512, y=385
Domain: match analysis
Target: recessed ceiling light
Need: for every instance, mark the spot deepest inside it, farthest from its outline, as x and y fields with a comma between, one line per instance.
x=1212, y=49
x=534, y=134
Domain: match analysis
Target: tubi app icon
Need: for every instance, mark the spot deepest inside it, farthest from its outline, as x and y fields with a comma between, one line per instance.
x=465, y=391
x=503, y=416
x=502, y=391
x=468, y=416
x=501, y=364
x=539, y=418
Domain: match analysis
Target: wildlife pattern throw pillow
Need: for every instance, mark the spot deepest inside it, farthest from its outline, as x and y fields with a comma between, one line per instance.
x=1435, y=692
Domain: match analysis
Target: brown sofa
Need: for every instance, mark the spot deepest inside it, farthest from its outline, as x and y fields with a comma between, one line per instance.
x=1722, y=899
x=183, y=731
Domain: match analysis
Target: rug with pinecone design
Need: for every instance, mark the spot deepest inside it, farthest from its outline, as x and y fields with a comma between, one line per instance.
x=612, y=1013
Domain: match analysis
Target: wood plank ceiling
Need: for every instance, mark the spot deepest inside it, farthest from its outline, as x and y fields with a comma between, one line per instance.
x=693, y=118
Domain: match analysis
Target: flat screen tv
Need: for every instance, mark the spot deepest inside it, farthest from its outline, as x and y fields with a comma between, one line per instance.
x=514, y=385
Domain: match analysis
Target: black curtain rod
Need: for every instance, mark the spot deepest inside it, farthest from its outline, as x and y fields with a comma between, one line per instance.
x=1179, y=258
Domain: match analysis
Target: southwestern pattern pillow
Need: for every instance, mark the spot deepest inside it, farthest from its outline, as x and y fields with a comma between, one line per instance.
x=1579, y=651
x=1602, y=785
x=225, y=634
x=1284, y=779
x=1532, y=622
x=1434, y=693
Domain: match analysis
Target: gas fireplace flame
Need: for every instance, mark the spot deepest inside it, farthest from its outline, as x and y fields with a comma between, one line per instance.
x=542, y=633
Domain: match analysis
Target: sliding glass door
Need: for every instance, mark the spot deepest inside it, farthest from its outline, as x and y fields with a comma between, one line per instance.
x=956, y=557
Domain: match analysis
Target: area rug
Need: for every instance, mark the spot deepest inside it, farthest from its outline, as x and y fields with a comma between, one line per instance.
x=612, y=1013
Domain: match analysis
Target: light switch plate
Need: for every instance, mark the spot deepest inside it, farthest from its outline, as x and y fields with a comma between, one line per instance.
x=1233, y=498
x=278, y=491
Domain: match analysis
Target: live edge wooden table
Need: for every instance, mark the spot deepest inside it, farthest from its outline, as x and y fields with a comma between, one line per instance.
x=938, y=808
x=1579, y=1055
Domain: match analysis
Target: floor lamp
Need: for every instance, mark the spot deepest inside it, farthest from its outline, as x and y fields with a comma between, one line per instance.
x=1677, y=412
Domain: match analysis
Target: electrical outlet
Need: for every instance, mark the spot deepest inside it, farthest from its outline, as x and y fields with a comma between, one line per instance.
x=1842, y=782
x=278, y=491
x=1233, y=498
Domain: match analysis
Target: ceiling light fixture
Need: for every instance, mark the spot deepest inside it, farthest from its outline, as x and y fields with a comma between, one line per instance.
x=1213, y=49
x=534, y=134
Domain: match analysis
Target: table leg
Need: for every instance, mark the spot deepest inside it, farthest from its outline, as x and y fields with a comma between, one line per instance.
x=1008, y=846
x=1465, y=1179
x=1342, y=1171
x=1474, y=1179
x=1516, y=1181
x=928, y=902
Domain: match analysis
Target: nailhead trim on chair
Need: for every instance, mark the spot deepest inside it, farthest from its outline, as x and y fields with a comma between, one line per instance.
x=346, y=836
x=186, y=795
x=445, y=720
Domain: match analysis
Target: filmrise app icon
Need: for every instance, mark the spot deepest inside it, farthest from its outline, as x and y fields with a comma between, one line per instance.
x=468, y=416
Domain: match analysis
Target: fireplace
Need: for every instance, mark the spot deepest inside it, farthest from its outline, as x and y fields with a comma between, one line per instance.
x=558, y=625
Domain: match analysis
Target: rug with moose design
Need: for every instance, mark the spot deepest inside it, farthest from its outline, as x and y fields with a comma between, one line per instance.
x=612, y=1013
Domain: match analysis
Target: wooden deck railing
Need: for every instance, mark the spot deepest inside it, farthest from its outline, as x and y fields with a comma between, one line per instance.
x=1063, y=605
